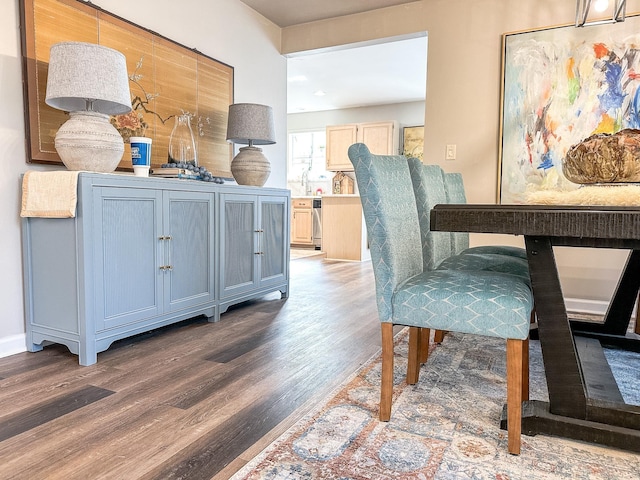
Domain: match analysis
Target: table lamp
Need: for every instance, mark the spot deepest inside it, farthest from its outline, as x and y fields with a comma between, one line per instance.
x=90, y=82
x=250, y=124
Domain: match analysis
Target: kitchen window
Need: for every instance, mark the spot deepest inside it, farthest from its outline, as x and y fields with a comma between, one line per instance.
x=306, y=171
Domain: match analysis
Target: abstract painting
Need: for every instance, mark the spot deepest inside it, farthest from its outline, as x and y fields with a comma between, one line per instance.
x=560, y=86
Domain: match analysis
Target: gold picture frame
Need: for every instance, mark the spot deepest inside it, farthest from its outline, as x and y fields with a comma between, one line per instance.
x=560, y=85
x=166, y=80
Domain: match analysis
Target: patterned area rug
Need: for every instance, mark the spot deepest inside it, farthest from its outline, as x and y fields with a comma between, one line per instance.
x=445, y=427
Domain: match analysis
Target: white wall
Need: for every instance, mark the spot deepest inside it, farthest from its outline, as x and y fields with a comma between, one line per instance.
x=406, y=114
x=224, y=29
x=12, y=158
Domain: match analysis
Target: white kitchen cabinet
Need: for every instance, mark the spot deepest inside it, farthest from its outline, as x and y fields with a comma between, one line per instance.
x=381, y=138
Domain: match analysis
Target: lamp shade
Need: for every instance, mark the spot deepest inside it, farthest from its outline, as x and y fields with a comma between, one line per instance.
x=251, y=124
x=82, y=74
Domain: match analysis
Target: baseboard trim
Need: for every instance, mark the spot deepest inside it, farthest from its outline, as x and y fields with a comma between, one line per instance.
x=13, y=344
x=580, y=305
x=18, y=343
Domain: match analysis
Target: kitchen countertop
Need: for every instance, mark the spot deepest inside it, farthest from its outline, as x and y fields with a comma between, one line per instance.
x=338, y=195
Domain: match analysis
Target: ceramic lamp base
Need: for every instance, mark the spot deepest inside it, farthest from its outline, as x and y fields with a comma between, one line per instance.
x=250, y=167
x=87, y=141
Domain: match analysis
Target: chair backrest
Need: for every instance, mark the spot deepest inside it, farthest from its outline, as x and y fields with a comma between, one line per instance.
x=454, y=188
x=390, y=213
x=428, y=187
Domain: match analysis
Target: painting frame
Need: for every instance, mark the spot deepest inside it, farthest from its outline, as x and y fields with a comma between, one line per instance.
x=413, y=142
x=560, y=85
x=167, y=79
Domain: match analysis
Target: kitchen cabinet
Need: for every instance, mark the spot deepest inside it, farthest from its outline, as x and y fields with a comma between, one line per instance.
x=142, y=253
x=302, y=221
x=381, y=137
x=344, y=233
x=254, y=249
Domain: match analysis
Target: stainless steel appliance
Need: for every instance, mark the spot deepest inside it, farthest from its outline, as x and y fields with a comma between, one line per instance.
x=317, y=223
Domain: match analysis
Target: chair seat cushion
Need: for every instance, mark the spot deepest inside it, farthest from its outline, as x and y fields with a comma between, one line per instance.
x=478, y=302
x=508, y=250
x=489, y=262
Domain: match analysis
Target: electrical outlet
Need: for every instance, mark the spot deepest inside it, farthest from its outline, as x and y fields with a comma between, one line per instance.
x=450, y=152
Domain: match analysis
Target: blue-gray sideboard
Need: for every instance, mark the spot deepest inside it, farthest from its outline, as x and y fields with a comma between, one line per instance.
x=142, y=253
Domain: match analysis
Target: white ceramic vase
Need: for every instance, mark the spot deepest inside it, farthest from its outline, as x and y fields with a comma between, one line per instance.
x=87, y=141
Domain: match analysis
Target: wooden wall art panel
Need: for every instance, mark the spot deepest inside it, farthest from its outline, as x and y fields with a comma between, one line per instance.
x=166, y=79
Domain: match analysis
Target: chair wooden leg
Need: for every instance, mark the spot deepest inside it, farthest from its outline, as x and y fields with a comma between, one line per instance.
x=413, y=364
x=438, y=336
x=515, y=356
x=386, y=381
x=425, y=335
x=525, y=370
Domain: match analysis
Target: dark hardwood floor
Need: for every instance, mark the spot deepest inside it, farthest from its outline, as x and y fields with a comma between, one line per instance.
x=195, y=400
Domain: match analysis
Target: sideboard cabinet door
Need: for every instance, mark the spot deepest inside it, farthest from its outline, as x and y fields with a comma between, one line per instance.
x=128, y=283
x=239, y=249
x=274, y=241
x=189, y=246
x=154, y=253
x=255, y=244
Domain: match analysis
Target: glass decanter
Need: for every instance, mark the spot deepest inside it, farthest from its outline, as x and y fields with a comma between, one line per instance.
x=182, y=144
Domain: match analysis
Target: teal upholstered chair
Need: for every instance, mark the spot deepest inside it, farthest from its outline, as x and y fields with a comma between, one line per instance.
x=445, y=250
x=439, y=249
x=428, y=186
x=454, y=189
x=467, y=301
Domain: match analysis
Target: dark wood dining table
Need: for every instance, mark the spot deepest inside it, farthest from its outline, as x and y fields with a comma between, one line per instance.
x=585, y=402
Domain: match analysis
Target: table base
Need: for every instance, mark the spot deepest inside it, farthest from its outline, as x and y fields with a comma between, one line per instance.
x=536, y=419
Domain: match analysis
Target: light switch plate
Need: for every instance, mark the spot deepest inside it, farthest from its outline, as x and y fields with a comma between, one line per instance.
x=450, y=152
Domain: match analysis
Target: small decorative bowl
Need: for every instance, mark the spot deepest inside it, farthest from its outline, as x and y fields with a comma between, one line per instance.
x=605, y=158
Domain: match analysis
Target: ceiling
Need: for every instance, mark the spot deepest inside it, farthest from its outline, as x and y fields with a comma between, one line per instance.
x=285, y=13
x=393, y=71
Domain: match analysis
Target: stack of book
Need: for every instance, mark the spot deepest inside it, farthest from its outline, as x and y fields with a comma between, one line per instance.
x=172, y=172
